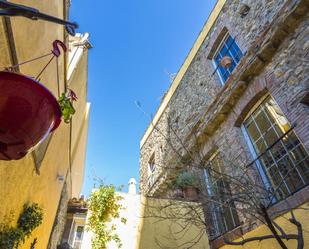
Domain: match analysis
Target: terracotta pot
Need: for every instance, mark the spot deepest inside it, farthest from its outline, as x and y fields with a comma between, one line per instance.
x=178, y=193
x=226, y=61
x=243, y=10
x=190, y=193
x=28, y=113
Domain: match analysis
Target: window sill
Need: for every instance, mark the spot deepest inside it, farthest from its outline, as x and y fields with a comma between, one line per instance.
x=236, y=233
x=293, y=201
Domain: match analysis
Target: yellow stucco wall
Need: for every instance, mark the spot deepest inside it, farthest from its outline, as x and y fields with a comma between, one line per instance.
x=150, y=222
x=19, y=183
x=161, y=226
x=301, y=215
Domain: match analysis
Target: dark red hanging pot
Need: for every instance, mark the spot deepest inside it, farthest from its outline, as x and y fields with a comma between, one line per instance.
x=28, y=113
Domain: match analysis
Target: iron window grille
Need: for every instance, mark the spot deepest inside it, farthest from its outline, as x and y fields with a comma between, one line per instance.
x=280, y=157
x=224, y=217
x=228, y=47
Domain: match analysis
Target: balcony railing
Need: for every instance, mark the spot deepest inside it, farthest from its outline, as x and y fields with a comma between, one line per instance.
x=284, y=165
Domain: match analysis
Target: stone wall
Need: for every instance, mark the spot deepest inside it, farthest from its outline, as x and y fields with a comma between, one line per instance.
x=199, y=87
x=286, y=80
x=60, y=220
x=204, y=116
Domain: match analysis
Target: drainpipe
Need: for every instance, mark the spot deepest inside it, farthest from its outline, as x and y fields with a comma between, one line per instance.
x=10, y=41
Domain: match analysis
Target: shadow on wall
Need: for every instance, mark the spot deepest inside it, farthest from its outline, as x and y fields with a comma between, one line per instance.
x=164, y=224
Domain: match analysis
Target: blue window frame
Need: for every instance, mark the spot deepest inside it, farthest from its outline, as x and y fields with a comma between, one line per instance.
x=229, y=48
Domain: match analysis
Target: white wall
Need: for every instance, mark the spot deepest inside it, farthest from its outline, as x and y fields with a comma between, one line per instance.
x=128, y=232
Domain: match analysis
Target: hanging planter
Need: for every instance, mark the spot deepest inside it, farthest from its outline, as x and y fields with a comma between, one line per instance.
x=29, y=112
x=226, y=62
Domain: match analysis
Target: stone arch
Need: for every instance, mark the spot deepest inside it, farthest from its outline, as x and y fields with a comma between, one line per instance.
x=254, y=93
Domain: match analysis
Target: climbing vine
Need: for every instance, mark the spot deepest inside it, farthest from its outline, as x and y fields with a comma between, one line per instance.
x=30, y=218
x=104, y=205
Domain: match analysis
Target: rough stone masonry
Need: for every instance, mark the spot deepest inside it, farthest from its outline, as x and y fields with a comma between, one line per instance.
x=203, y=114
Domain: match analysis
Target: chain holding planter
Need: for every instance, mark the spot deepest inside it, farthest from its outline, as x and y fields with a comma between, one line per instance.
x=29, y=112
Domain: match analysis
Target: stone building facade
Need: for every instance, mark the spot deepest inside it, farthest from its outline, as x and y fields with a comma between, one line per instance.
x=208, y=109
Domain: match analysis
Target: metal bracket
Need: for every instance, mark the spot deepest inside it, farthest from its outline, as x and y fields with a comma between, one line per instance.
x=12, y=9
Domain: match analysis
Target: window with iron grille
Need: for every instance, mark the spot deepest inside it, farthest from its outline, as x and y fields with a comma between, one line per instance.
x=228, y=48
x=283, y=159
x=223, y=211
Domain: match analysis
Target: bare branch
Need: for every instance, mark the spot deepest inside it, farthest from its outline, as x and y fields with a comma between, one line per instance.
x=259, y=238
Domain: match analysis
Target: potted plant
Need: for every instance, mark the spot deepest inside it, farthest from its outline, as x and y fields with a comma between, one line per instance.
x=226, y=61
x=188, y=182
x=28, y=113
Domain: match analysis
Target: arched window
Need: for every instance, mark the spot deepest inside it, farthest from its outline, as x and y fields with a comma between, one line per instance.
x=281, y=158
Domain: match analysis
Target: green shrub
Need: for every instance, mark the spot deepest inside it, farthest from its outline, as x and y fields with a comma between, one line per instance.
x=30, y=218
x=186, y=179
x=104, y=206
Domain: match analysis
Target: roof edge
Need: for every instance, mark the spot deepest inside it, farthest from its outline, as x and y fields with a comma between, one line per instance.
x=183, y=69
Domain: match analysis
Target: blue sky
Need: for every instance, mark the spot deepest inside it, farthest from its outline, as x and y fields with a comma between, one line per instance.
x=136, y=44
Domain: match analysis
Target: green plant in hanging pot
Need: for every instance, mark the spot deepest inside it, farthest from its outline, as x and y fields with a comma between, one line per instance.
x=188, y=182
x=66, y=105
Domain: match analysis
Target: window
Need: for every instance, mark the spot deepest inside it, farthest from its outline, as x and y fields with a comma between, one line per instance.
x=151, y=164
x=283, y=162
x=305, y=99
x=77, y=230
x=224, y=217
x=151, y=170
x=78, y=237
x=228, y=47
x=79, y=233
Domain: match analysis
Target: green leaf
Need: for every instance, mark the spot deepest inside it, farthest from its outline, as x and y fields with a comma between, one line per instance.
x=66, y=107
x=30, y=218
x=104, y=206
